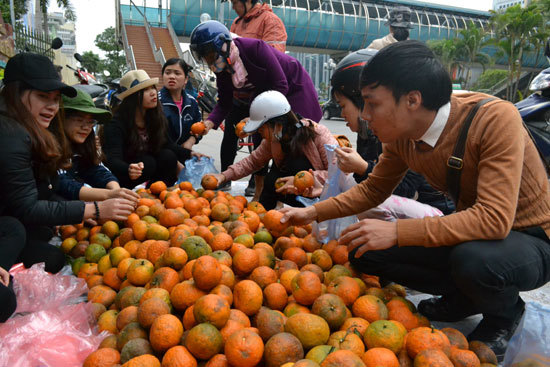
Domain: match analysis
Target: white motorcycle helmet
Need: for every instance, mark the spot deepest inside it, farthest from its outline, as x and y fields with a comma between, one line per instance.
x=264, y=107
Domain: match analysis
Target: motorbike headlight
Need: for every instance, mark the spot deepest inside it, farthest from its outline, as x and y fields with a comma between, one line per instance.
x=541, y=82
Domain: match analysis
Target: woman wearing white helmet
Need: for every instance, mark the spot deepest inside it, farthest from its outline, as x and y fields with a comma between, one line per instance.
x=295, y=144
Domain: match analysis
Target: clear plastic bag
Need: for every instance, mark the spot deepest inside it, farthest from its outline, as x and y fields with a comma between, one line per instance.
x=530, y=345
x=336, y=183
x=62, y=336
x=196, y=168
x=36, y=289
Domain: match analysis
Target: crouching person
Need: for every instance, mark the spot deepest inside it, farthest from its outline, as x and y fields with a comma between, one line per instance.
x=496, y=244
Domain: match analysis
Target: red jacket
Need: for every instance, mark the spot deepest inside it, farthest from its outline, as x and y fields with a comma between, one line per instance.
x=261, y=23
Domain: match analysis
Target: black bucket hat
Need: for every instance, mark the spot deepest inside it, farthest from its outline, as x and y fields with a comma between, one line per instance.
x=37, y=71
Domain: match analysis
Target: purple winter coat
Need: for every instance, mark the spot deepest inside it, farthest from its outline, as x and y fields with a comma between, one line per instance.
x=268, y=69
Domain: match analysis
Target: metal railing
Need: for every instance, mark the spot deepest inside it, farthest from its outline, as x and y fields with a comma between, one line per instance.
x=33, y=41
x=174, y=37
x=157, y=52
x=128, y=49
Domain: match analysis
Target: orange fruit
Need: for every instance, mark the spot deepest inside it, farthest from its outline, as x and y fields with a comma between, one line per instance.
x=140, y=272
x=178, y=356
x=275, y=296
x=385, y=334
x=209, y=182
x=149, y=310
x=157, y=187
x=247, y=297
x=310, y=329
x=213, y=309
x=166, y=331
x=204, y=341
x=345, y=340
x=207, y=272
x=244, y=348
x=303, y=180
x=371, y=308
x=198, y=128
x=103, y=357
x=306, y=287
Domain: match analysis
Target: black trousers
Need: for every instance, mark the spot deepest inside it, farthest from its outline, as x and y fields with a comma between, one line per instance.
x=161, y=166
x=269, y=196
x=487, y=274
x=228, y=150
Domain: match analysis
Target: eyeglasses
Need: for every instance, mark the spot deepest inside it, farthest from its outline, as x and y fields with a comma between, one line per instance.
x=83, y=122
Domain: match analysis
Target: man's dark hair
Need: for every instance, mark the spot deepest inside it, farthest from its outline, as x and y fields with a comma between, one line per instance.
x=407, y=66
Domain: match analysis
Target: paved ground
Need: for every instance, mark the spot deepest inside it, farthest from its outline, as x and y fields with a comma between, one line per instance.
x=210, y=145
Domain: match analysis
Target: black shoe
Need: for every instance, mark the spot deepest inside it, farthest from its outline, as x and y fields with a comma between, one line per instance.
x=496, y=332
x=446, y=308
x=250, y=190
x=226, y=186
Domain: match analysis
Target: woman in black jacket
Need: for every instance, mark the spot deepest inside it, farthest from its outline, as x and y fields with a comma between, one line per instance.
x=135, y=142
x=30, y=156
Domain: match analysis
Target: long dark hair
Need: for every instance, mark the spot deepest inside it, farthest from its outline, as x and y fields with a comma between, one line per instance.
x=88, y=152
x=295, y=134
x=50, y=148
x=155, y=123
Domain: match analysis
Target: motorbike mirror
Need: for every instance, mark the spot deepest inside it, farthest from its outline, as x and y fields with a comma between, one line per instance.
x=106, y=73
x=57, y=43
x=78, y=57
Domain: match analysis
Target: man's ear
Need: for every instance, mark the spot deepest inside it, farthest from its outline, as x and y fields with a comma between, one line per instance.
x=413, y=99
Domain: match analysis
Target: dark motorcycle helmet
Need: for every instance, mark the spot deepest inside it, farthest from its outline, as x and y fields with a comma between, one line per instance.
x=207, y=40
x=346, y=75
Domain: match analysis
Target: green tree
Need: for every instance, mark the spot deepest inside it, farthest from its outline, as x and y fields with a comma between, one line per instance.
x=514, y=31
x=115, y=61
x=448, y=52
x=19, y=8
x=92, y=62
x=489, y=79
x=471, y=40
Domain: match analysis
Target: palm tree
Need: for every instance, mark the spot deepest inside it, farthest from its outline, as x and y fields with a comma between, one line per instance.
x=471, y=40
x=448, y=52
x=64, y=4
x=514, y=30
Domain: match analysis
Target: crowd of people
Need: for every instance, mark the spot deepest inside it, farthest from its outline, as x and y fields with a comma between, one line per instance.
x=489, y=241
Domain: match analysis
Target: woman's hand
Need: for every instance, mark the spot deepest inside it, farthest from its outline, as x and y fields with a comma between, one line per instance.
x=4, y=277
x=314, y=191
x=287, y=185
x=188, y=144
x=124, y=194
x=350, y=161
x=220, y=177
x=115, y=209
x=198, y=155
x=209, y=125
x=135, y=170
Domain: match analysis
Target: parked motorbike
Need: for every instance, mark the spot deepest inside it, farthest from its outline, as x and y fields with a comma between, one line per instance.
x=89, y=84
x=535, y=109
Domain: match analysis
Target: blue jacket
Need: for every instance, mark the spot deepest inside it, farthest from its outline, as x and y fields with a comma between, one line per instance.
x=179, y=124
x=71, y=181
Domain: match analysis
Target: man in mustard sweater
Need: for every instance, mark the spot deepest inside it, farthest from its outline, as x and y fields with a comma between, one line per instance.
x=496, y=243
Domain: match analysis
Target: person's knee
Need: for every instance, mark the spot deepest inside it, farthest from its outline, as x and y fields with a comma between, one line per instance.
x=8, y=303
x=16, y=228
x=149, y=167
x=470, y=267
x=55, y=260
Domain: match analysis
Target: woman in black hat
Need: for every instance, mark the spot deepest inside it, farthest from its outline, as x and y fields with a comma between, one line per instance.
x=30, y=156
x=399, y=21
x=81, y=116
x=136, y=142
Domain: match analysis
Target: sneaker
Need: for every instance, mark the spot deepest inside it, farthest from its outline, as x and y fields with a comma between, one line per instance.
x=446, y=308
x=226, y=186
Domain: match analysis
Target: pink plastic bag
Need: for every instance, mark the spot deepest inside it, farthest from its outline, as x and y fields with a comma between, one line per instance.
x=62, y=336
x=36, y=289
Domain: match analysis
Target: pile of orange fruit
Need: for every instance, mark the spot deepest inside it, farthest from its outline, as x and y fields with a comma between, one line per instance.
x=202, y=278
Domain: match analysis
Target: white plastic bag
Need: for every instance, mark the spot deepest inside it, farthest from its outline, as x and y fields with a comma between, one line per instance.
x=530, y=345
x=337, y=182
x=196, y=168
